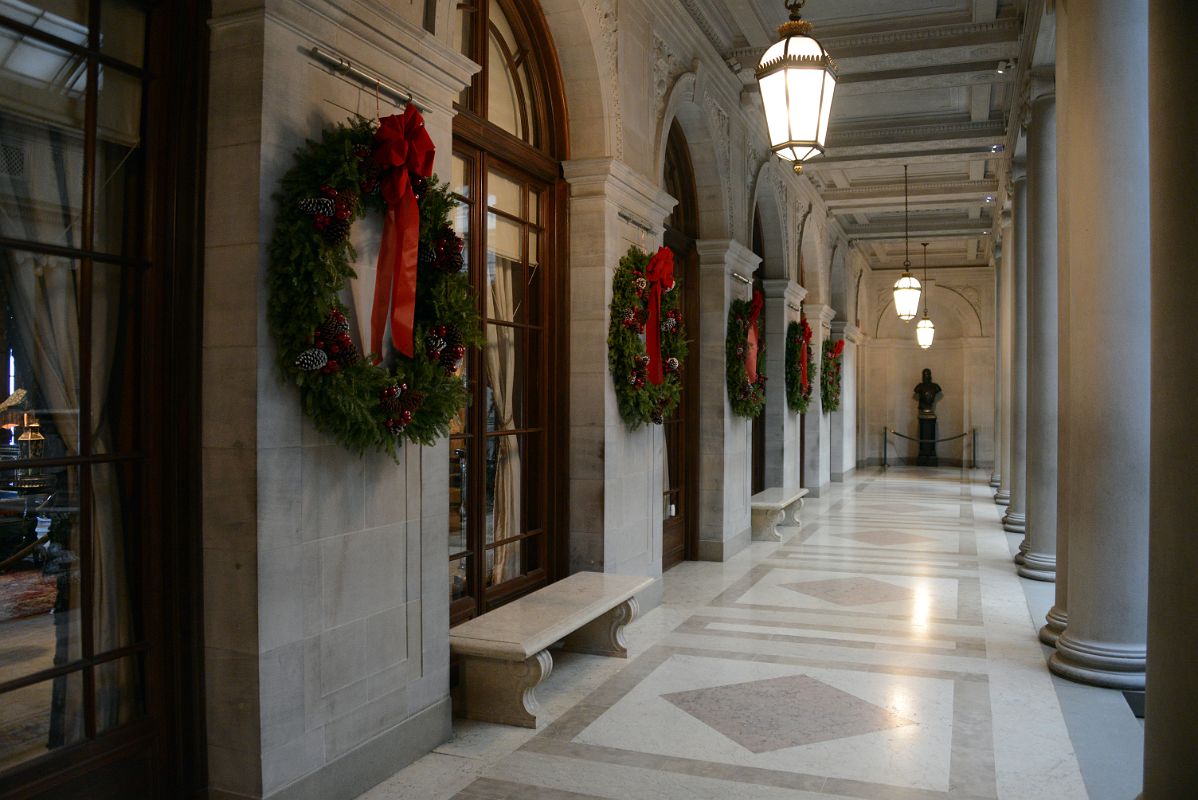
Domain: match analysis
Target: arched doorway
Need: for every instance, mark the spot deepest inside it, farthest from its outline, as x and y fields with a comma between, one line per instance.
x=681, y=473
x=506, y=493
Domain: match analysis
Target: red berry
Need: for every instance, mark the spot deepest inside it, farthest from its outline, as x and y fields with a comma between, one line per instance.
x=327, y=191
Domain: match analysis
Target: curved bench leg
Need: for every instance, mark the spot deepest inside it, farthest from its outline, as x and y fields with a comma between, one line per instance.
x=765, y=525
x=798, y=506
x=494, y=690
x=604, y=636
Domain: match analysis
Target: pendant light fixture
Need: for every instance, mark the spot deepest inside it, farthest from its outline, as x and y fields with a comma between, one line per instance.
x=906, y=288
x=925, y=331
x=797, y=79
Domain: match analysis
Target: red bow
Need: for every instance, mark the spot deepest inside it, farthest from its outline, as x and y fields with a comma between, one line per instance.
x=402, y=148
x=838, y=348
x=752, y=337
x=804, y=381
x=660, y=276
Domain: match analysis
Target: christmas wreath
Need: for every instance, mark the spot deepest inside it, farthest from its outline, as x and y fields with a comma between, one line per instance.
x=829, y=390
x=744, y=356
x=413, y=391
x=798, y=366
x=646, y=371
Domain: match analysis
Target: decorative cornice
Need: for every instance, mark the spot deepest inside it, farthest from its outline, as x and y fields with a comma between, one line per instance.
x=1005, y=29
x=988, y=186
x=704, y=24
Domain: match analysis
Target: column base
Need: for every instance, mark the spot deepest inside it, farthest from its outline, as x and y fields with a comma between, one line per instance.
x=1014, y=522
x=1112, y=667
x=1038, y=566
x=995, y=480
x=1002, y=497
x=1057, y=619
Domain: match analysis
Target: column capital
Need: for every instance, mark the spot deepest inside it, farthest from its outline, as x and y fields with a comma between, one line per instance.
x=784, y=289
x=1018, y=171
x=643, y=201
x=823, y=313
x=737, y=261
x=849, y=331
x=1043, y=84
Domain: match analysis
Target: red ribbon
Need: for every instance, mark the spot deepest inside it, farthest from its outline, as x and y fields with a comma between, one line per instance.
x=838, y=348
x=660, y=276
x=804, y=381
x=402, y=148
x=751, y=338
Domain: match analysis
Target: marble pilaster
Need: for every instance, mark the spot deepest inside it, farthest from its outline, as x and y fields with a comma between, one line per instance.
x=1109, y=347
x=782, y=303
x=996, y=470
x=817, y=430
x=1039, y=545
x=844, y=419
x=1170, y=730
x=1015, y=518
x=724, y=439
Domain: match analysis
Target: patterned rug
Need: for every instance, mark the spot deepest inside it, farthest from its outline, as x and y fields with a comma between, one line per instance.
x=26, y=594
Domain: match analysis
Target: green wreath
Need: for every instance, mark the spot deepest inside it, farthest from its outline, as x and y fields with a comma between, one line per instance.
x=640, y=400
x=365, y=402
x=746, y=397
x=798, y=381
x=829, y=389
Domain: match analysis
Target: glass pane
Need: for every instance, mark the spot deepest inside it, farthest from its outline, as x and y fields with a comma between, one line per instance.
x=459, y=581
x=459, y=487
x=460, y=219
x=120, y=697
x=531, y=313
x=515, y=559
x=118, y=163
x=461, y=35
x=40, y=297
x=534, y=501
x=39, y=718
x=41, y=163
x=113, y=545
x=114, y=359
x=503, y=193
x=123, y=30
x=505, y=479
x=505, y=270
x=535, y=198
x=40, y=614
x=459, y=182
x=507, y=84
x=504, y=357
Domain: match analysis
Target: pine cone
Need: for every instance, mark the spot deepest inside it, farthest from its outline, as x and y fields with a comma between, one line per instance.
x=312, y=360
x=336, y=232
x=334, y=325
x=317, y=206
x=427, y=259
x=433, y=345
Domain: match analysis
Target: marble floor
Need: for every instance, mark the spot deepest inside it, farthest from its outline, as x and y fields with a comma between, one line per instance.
x=885, y=650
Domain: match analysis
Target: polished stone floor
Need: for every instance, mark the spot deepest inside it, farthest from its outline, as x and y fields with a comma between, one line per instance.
x=886, y=650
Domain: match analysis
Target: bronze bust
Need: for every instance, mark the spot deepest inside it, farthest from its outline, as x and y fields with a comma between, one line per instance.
x=927, y=393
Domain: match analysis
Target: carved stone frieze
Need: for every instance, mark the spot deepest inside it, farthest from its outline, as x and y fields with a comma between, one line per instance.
x=605, y=12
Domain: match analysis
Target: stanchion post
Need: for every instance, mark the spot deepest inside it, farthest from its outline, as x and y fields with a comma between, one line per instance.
x=885, y=442
x=974, y=448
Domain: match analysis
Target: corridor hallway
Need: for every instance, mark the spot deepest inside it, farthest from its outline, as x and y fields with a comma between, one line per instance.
x=886, y=650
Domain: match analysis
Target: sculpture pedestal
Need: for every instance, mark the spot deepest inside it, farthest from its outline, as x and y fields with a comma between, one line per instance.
x=927, y=443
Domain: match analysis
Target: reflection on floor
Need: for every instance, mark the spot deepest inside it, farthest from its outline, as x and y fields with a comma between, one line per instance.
x=27, y=639
x=886, y=651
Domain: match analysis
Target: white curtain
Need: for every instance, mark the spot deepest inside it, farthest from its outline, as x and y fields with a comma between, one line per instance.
x=501, y=376
x=43, y=295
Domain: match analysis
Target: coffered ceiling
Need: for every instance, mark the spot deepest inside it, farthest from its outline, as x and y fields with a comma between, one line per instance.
x=920, y=86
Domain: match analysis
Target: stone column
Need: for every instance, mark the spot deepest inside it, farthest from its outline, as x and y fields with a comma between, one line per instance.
x=1014, y=520
x=844, y=420
x=725, y=450
x=1006, y=276
x=1039, y=547
x=1170, y=769
x=999, y=333
x=1058, y=615
x=782, y=301
x=817, y=431
x=1109, y=348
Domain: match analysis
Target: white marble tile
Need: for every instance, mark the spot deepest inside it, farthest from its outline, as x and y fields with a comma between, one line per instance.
x=928, y=597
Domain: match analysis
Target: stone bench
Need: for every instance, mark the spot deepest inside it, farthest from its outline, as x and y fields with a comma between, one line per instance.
x=769, y=508
x=504, y=653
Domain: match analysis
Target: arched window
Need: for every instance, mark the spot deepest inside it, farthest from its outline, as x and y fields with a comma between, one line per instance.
x=505, y=491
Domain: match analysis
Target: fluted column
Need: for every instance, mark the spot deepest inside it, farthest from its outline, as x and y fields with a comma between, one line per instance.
x=1039, y=547
x=1109, y=347
x=1006, y=289
x=1015, y=519
x=1058, y=616
x=1171, y=724
x=996, y=470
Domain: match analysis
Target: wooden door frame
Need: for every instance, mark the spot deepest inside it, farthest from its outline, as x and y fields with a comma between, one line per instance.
x=682, y=242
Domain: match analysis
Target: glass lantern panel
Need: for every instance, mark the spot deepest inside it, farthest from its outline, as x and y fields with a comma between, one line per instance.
x=773, y=96
x=804, y=95
x=825, y=112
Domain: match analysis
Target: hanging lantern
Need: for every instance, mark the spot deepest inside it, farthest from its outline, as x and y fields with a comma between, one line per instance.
x=907, y=289
x=797, y=78
x=925, y=331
